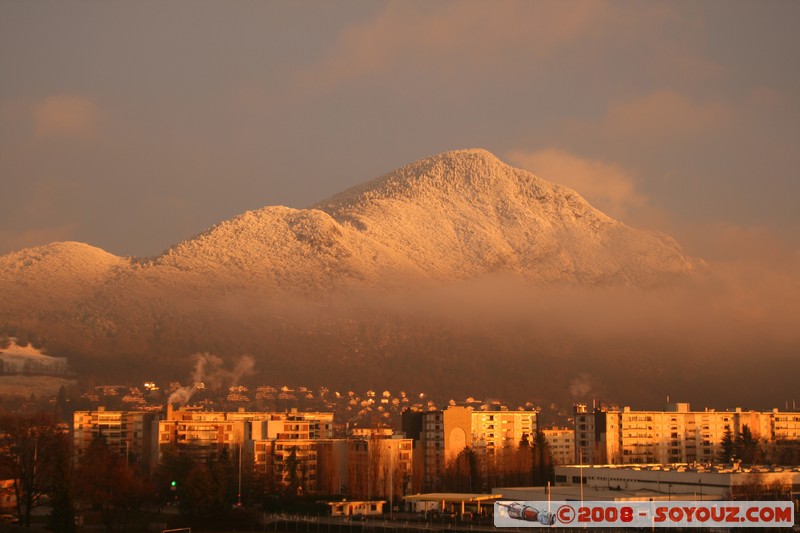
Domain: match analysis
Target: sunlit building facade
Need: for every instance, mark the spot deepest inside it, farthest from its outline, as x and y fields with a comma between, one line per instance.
x=676, y=435
x=561, y=442
x=441, y=435
x=130, y=434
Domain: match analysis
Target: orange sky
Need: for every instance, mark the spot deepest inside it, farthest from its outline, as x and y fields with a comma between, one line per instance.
x=132, y=126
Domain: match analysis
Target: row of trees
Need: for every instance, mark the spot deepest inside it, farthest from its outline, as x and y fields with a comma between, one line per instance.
x=36, y=453
x=528, y=464
x=749, y=450
x=21, y=337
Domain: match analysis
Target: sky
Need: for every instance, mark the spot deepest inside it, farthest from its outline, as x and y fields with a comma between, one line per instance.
x=132, y=126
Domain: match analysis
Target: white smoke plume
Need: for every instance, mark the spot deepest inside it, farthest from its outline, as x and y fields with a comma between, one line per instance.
x=210, y=372
x=581, y=386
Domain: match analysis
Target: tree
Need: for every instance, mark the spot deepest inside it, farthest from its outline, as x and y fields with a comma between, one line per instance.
x=28, y=446
x=61, y=408
x=171, y=474
x=748, y=446
x=756, y=487
x=462, y=474
x=62, y=515
x=784, y=452
x=22, y=339
x=328, y=477
x=205, y=495
x=543, y=470
x=729, y=446
x=291, y=467
x=523, y=463
x=111, y=486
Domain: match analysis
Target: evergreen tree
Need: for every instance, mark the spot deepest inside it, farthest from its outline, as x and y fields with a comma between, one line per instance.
x=462, y=474
x=542, y=468
x=748, y=446
x=291, y=466
x=729, y=447
x=61, y=409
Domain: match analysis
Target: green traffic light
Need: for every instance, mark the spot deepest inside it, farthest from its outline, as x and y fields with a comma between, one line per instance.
x=174, y=483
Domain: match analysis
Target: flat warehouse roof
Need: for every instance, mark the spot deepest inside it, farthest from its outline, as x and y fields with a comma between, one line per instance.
x=452, y=497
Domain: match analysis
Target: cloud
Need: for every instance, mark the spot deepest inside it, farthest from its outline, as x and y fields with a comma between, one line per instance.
x=608, y=187
x=521, y=42
x=451, y=35
x=65, y=116
x=653, y=120
x=666, y=113
x=580, y=387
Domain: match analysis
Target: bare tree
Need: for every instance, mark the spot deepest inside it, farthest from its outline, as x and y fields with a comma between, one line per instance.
x=28, y=447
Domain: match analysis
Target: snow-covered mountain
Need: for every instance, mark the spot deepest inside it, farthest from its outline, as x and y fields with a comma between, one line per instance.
x=456, y=216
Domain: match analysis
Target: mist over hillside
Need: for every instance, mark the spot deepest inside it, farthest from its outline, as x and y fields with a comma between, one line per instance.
x=457, y=273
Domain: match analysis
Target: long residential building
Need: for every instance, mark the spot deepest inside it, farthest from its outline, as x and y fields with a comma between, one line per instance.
x=204, y=434
x=296, y=451
x=676, y=435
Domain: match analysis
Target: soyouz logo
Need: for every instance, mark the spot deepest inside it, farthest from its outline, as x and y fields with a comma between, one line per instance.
x=643, y=514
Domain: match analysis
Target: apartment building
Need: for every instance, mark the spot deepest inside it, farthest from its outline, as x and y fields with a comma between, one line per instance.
x=130, y=434
x=380, y=467
x=676, y=435
x=442, y=434
x=562, y=444
x=204, y=434
x=201, y=434
x=785, y=426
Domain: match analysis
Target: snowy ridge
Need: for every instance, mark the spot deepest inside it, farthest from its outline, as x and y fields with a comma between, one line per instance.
x=456, y=215
x=466, y=213
x=451, y=216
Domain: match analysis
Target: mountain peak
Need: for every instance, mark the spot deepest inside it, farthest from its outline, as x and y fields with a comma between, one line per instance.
x=447, y=172
x=464, y=213
x=454, y=215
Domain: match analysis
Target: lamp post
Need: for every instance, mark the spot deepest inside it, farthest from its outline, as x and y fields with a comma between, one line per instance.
x=548, y=497
x=581, y=474
x=239, y=503
x=391, y=482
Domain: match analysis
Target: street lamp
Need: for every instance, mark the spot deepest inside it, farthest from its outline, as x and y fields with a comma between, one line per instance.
x=580, y=471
